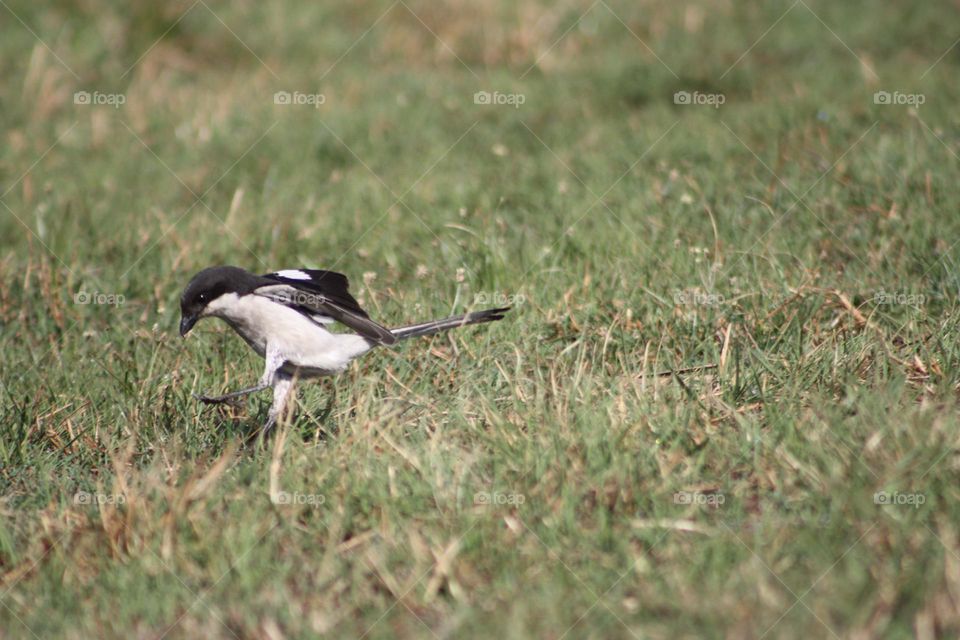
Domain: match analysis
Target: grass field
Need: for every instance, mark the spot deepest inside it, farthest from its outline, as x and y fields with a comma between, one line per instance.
x=766, y=187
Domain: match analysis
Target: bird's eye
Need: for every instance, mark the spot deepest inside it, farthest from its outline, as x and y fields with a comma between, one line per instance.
x=202, y=297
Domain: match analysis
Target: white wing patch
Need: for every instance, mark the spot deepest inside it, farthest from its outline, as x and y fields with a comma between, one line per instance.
x=293, y=274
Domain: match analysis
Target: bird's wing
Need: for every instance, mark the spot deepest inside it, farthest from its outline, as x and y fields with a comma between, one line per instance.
x=325, y=294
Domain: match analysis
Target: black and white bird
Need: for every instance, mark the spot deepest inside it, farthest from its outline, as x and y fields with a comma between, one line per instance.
x=284, y=316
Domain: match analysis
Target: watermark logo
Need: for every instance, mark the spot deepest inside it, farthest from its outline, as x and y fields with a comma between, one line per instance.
x=483, y=498
x=85, y=497
x=497, y=299
x=298, y=98
x=500, y=99
x=96, y=98
x=712, y=499
x=308, y=499
x=98, y=298
x=895, y=498
x=697, y=298
x=900, y=298
x=299, y=298
x=697, y=98
x=898, y=98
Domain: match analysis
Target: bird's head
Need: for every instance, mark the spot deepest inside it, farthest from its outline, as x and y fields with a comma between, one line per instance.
x=205, y=293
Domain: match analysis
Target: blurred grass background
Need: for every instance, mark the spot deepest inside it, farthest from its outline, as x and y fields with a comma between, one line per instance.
x=528, y=479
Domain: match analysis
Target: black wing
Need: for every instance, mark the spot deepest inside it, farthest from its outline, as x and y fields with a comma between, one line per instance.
x=316, y=292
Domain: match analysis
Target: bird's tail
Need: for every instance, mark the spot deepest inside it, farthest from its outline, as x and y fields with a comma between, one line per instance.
x=436, y=326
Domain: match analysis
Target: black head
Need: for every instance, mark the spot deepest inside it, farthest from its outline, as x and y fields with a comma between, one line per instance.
x=207, y=286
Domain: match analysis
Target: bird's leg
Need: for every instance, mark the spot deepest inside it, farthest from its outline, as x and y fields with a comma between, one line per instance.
x=227, y=397
x=282, y=386
x=274, y=362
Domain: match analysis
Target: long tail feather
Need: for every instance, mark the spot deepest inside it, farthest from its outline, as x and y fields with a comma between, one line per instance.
x=453, y=322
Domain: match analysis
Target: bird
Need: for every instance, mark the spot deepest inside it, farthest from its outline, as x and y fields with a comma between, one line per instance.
x=286, y=317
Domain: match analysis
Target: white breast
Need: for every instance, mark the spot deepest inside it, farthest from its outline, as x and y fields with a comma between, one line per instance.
x=302, y=342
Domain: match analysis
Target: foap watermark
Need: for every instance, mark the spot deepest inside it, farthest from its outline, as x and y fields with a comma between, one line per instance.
x=97, y=98
x=299, y=98
x=99, y=298
x=895, y=498
x=900, y=298
x=497, y=299
x=701, y=99
x=500, y=99
x=484, y=498
x=299, y=298
x=308, y=499
x=85, y=497
x=898, y=98
x=702, y=498
x=695, y=297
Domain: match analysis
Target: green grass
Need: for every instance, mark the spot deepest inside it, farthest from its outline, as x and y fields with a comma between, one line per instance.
x=800, y=237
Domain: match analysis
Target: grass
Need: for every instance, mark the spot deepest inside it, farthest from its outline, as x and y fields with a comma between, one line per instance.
x=532, y=478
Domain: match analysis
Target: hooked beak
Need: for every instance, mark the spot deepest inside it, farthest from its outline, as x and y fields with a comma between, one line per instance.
x=186, y=323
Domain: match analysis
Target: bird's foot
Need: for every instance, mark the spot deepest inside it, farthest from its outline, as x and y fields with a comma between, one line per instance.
x=229, y=398
x=233, y=397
